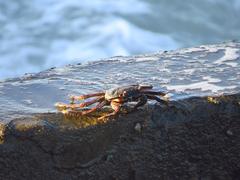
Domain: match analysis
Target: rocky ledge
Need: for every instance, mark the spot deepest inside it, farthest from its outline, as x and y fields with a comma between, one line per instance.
x=195, y=136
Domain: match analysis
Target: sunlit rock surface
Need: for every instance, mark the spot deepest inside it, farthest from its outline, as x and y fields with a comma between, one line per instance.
x=195, y=137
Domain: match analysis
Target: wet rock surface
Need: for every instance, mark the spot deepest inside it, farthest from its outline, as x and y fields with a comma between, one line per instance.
x=199, y=71
x=193, y=138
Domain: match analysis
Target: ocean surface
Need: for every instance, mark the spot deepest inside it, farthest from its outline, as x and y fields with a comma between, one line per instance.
x=39, y=34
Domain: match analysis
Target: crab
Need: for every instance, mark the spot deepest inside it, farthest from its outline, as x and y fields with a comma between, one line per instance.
x=115, y=97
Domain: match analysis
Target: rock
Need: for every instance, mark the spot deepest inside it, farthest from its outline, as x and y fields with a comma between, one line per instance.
x=229, y=132
x=138, y=127
x=176, y=138
x=196, y=135
x=109, y=157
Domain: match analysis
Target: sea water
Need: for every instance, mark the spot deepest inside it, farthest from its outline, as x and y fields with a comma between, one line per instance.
x=39, y=34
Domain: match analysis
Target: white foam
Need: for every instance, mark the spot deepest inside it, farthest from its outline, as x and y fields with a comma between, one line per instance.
x=212, y=49
x=56, y=33
x=122, y=38
x=229, y=55
x=204, y=86
x=189, y=71
x=191, y=50
x=140, y=59
x=208, y=48
x=211, y=79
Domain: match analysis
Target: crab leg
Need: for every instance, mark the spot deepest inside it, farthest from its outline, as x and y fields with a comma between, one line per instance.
x=81, y=105
x=158, y=93
x=116, y=106
x=141, y=101
x=99, y=106
x=93, y=101
x=88, y=103
x=156, y=99
x=86, y=96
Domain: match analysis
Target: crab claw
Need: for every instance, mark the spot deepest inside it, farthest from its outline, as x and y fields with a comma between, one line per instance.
x=65, y=112
x=72, y=98
x=60, y=106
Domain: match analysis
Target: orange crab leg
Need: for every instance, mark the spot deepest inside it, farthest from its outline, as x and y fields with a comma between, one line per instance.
x=81, y=105
x=116, y=107
x=88, y=103
x=99, y=106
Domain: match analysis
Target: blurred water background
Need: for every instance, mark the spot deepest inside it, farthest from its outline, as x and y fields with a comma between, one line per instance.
x=39, y=34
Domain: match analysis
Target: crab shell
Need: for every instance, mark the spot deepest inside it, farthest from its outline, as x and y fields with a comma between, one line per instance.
x=129, y=91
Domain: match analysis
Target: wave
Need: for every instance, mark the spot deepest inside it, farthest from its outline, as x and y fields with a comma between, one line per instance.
x=39, y=34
